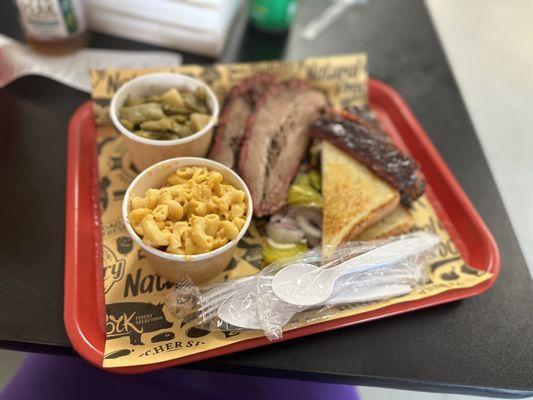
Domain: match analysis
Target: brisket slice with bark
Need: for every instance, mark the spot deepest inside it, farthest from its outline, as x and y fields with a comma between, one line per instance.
x=232, y=122
x=275, y=142
x=374, y=151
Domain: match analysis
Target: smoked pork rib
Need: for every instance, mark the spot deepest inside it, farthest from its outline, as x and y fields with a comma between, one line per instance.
x=374, y=151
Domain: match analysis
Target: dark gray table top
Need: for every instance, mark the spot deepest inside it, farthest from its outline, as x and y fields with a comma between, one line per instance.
x=481, y=345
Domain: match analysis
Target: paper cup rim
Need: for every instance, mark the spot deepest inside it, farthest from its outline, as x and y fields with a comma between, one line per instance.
x=113, y=110
x=188, y=161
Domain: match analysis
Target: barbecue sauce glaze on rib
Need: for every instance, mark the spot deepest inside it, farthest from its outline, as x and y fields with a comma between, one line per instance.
x=375, y=151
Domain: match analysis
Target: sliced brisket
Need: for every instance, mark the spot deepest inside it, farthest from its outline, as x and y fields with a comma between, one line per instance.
x=275, y=142
x=232, y=123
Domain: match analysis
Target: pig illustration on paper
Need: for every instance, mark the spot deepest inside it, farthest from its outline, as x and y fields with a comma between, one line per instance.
x=132, y=319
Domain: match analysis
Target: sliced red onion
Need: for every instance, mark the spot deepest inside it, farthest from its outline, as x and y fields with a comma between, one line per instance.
x=309, y=219
x=284, y=230
x=313, y=214
x=284, y=220
x=307, y=226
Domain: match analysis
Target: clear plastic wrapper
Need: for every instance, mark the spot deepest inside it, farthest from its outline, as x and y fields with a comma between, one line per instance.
x=310, y=287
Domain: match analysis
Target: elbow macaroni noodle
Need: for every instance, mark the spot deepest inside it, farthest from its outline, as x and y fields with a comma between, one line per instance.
x=197, y=212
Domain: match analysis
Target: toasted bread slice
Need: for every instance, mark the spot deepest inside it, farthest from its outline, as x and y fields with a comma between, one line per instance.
x=398, y=222
x=354, y=198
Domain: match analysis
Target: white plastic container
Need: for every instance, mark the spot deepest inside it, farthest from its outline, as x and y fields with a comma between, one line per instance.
x=145, y=152
x=200, y=267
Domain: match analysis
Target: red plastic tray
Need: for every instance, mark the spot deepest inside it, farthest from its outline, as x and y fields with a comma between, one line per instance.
x=84, y=313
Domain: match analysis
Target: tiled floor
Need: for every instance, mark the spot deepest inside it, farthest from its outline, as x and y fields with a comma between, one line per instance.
x=370, y=393
x=9, y=362
x=493, y=63
x=492, y=59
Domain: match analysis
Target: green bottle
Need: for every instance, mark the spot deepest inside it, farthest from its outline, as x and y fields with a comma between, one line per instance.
x=272, y=15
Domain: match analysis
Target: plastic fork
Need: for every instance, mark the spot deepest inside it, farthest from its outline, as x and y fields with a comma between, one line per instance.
x=212, y=299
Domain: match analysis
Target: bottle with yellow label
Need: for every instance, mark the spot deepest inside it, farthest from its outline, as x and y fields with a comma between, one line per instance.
x=54, y=26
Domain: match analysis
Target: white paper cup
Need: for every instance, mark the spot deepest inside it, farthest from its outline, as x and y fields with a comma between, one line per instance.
x=145, y=152
x=200, y=267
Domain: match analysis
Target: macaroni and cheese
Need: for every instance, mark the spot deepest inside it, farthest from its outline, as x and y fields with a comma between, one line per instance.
x=195, y=213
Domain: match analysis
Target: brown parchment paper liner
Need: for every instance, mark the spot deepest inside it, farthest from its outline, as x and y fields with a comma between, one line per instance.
x=140, y=330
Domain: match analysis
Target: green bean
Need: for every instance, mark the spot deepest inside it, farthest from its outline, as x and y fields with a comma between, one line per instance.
x=133, y=101
x=179, y=118
x=163, y=124
x=148, y=134
x=171, y=110
x=174, y=114
x=191, y=103
x=170, y=136
x=142, y=112
x=182, y=130
x=154, y=98
x=201, y=95
x=127, y=124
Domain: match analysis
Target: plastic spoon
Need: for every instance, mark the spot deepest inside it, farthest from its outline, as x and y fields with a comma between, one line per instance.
x=239, y=313
x=306, y=284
